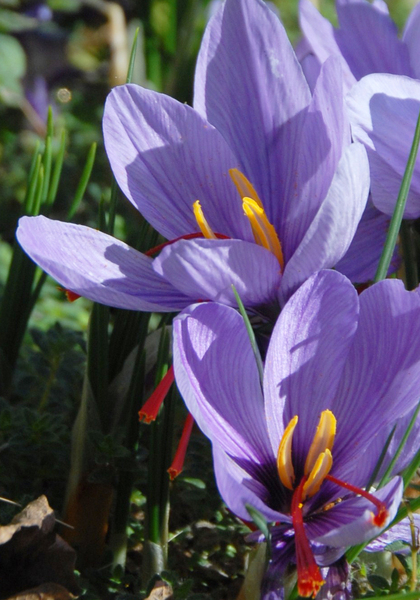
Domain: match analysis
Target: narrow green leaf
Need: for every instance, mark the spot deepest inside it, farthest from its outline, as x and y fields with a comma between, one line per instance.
x=50, y=123
x=251, y=335
x=259, y=521
x=380, y=459
x=395, y=224
x=410, y=506
x=160, y=448
x=133, y=56
x=118, y=539
x=400, y=448
x=410, y=471
x=32, y=186
x=55, y=179
x=46, y=161
x=39, y=191
x=84, y=180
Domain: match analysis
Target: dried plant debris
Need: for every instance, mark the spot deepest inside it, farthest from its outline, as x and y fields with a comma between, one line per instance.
x=46, y=591
x=161, y=591
x=32, y=555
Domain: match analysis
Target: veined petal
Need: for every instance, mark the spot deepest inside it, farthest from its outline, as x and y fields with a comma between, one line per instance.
x=337, y=581
x=217, y=375
x=350, y=522
x=250, y=86
x=165, y=156
x=237, y=488
x=368, y=40
x=330, y=234
x=320, y=35
x=97, y=266
x=361, y=260
x=399, y=532
x=381, y=379
x=207, y=269
x=314, y=164
x=362, y=470
x=307, y=353
x=383, y=111
x=412, y=40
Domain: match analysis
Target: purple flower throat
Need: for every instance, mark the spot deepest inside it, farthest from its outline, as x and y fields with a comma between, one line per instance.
x=317, y=467
x=264, y=233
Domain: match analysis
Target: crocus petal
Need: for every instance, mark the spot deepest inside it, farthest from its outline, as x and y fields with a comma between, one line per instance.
x=412, y=40
x=283, y=554
x=217, y=375
x=337, y=582
x=314, y=165
x=331, y=232
x=311, y=68
x=237, y=488
x=97, y=266
x=368, y=40
x=350, y=522
x=306, y=356
x=250, y=86
x=361, y=260
x=165, y=156
x=363, y=469
x=320, y=35
x=207, y=269
x=383, y=111
x=399, y=532
x=381, y=379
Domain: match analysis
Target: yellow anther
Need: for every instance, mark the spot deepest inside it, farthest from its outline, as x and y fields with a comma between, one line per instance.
x=264, y=233
x=284, y=456
x=318, y=473
x=244, y=186
x=205, y=228
x=323, y=439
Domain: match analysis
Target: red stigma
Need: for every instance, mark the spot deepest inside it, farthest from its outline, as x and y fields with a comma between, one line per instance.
x=150, y=408
x=379, y=520
x=308, y=573
x=71, y=296
x=188, y=236
x=178, y=463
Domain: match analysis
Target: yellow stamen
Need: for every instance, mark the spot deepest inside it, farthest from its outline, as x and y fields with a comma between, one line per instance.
x=318, y=473
x=205, y=228
x=284, y=456
x=323, y=439
x=264, y=233
x=244, y=186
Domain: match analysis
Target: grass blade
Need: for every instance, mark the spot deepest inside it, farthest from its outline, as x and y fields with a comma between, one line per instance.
x=395, y=224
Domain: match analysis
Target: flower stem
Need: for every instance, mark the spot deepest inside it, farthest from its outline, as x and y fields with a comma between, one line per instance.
x=160, y=449
x=397, y=217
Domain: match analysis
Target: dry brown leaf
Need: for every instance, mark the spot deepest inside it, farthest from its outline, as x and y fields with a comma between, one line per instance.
x=31, y=553
x=161, y=591
x=46, y=591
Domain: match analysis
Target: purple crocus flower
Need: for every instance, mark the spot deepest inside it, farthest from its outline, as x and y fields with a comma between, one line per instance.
x=383, y=111
x=338, y=371
x=366, y=41
x=258, y=162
